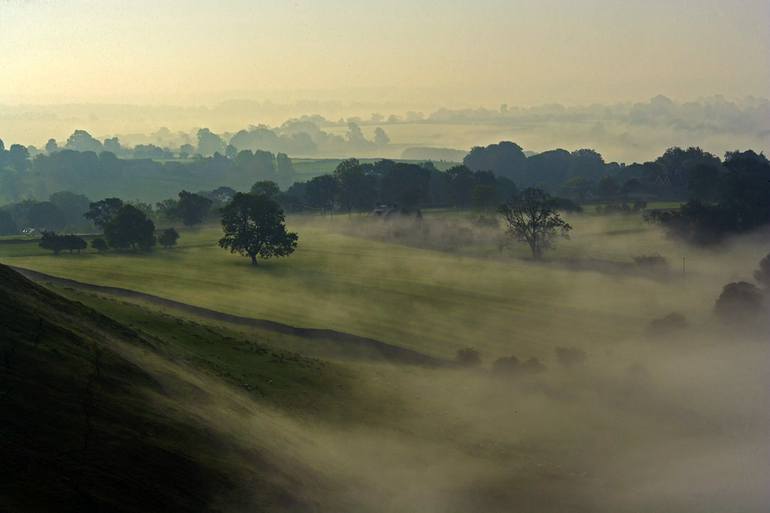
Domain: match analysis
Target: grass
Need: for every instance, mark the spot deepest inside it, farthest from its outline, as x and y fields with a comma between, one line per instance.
x=432, y=301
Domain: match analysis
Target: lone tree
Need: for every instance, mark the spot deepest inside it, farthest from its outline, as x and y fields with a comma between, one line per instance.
x=168, y=238
x=53, y=242
x=533, y=218
x=762, y=275
x=130, y=228
x=254, y=226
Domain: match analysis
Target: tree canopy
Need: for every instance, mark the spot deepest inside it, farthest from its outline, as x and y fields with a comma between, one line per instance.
x=254, y=226
x=532, y=217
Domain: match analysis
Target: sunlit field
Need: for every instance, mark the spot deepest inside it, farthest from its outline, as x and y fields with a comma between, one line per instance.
x=348, y=275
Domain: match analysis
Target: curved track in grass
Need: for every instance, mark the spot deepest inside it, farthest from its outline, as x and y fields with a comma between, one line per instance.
x=386, y=351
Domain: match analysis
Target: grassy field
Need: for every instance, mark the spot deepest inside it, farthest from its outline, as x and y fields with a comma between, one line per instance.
x=432, y=301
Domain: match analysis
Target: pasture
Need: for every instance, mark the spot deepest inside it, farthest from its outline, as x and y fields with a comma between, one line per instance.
x=347, y=275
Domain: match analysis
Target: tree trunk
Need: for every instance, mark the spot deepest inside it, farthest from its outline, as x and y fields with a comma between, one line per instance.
x=253, y=259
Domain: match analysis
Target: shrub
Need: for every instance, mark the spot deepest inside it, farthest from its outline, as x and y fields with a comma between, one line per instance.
x=653, y=262
x=168, y=237
x=468, y=357
x=668, y=324
x=506, y=365
x=762, y=275
x=570, y=356
x=740, y=301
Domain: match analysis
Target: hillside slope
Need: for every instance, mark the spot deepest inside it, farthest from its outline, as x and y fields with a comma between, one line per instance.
x=84, y=426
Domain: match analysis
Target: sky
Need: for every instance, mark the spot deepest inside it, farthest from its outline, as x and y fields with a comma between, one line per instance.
x=417, y=52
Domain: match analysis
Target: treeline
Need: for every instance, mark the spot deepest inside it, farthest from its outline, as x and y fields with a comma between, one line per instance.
x=356, y=186
x=23, y=176
x=583, y=175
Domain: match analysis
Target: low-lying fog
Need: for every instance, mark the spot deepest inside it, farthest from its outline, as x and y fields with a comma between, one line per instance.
x=673, y=419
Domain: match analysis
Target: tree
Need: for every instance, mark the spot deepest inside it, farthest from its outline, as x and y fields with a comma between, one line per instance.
x=51, y=146
x=103, y=211
x=73, y=206
x=267, y=188
x=350, y=183
x=254, y=226
x=130, y=228
x=80, y=140
x=468, y=357
x=168, y=237
x=52, y=242
x=532, y=218
x=74, y=243
x=209, y=143
x=380, y=137
x=762, y=275
x=99, y=245
x=7, y=224
x=192, y=208
x=321, y=192
x=740, y=301
x=46, y=216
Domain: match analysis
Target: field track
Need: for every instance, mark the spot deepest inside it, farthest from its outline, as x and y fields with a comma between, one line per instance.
x=388, y=352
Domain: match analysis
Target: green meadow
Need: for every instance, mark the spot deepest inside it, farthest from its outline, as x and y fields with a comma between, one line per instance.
x=435, y=301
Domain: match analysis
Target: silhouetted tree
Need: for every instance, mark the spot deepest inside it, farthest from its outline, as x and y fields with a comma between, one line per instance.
x=52, y=242
x=103, y=211
x=266, y=188
x=73, y=206
x=192, y=208
x=51, y=146
x=740, y=301
x=46, y=216
x=468, y=357
x=130, y=228
x=321, y=192
x=168, y=237
x=254, y=226
x=7, y=224
x=74, y=243
x=533, y=218
x=762, y=275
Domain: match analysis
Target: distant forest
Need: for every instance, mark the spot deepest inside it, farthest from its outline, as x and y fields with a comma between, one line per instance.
x=57, y=184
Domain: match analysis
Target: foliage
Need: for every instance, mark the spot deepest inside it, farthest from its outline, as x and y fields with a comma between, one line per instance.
x=168, y=237
x=192, y=208
x=266, y=187
x=740, y=301
x=468, y=357
x=58, y=243
x=762, y=275
x=254, y=226
x=46, y=216
x=532, y=218
x=130, y=228
x=7, y=224
x=102, y=212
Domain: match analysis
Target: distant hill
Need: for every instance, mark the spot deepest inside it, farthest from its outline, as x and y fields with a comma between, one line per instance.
x=433, y=154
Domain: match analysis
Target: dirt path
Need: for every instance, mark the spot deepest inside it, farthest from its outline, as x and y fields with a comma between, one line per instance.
x=388, y=352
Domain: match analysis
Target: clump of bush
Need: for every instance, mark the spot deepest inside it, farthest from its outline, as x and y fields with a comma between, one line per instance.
x=740, y=302
x=668, y=324
x=570, y=356
x=168, y=237
x=99, y=245
x=468, y=357
x=58, y=243
x=512, y=366
x=652, y=263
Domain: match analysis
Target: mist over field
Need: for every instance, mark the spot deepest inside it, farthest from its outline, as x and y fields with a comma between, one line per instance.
x=413, y=256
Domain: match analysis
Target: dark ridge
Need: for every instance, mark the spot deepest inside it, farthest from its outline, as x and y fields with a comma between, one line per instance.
x=80, y=427
x=387, y=351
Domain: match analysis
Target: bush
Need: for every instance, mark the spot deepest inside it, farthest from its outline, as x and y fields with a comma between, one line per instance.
x=468, y=357
x=654, y=263
x=668, y=324
x=510, y=365
x=506, y=365
x=570, y=356
x=762, y=275
x=740, y=301
x=168, y=237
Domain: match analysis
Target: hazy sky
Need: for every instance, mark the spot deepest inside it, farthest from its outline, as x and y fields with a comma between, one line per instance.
x=435, y=51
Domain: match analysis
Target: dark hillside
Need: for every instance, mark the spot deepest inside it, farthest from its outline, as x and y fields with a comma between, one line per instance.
x=82, y=427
